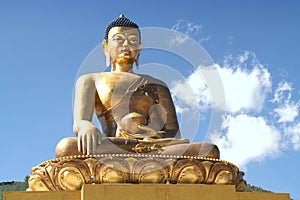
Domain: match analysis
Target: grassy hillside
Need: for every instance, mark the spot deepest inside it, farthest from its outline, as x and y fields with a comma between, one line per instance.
x=252, y=188
x=12, y=186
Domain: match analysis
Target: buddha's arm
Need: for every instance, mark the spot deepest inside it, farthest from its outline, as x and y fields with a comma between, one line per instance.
x=168, y=116
x=84, y=104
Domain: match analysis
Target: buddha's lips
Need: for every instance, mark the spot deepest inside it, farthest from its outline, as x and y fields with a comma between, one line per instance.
x=126, y=51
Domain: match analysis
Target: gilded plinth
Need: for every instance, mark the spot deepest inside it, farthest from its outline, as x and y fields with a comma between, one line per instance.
x=71, y=172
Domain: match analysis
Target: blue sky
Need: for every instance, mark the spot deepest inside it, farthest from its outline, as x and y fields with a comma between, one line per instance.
x=254, y=45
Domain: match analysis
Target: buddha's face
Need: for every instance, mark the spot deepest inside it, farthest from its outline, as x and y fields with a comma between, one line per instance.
x=123, y=45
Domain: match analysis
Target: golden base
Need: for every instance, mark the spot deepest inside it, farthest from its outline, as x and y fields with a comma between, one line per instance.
x=147, y=192
x=70, y=173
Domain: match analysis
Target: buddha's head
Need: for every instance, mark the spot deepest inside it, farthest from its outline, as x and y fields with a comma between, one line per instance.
x=122, y=42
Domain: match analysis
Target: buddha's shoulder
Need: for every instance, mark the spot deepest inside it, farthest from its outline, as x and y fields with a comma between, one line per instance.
x=97, y=76
x=90, y=76
x=153, y=80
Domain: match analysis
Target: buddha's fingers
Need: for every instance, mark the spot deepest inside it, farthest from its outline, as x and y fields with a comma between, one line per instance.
x=88, y=145
x=82, y=143
x=150, y=131
x=95, y=142
x=79, y=143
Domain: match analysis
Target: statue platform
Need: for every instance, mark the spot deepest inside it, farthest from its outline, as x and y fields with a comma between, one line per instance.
x=72, y=172
x=148, y=192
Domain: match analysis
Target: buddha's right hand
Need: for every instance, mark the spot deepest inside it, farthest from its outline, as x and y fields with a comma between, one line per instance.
x=89, y=137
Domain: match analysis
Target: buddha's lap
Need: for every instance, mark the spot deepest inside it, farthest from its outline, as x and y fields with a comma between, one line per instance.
x=68, y=147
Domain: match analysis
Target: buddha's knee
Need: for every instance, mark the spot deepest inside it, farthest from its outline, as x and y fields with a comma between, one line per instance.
x=67, y=147
x=203, y=149
x=200, y=149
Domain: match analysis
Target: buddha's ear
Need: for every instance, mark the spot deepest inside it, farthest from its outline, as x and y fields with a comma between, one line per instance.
x=138, y=55
x=104, y=48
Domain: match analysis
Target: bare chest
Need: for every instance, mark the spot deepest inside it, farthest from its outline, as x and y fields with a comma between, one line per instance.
x=112, y=87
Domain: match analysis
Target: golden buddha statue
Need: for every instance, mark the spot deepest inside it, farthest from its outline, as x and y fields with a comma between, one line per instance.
x=140, y=141
x=135, y=109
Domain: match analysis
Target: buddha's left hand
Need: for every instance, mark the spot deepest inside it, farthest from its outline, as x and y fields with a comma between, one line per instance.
x=149, y=132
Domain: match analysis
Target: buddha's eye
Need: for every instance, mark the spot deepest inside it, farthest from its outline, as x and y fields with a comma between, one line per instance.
x=133, y=39
x=118, y=39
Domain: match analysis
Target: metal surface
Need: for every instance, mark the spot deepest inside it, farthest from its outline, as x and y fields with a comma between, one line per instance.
x=141, y=140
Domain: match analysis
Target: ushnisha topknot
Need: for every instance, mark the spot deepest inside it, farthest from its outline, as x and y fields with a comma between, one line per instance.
x=121, y=21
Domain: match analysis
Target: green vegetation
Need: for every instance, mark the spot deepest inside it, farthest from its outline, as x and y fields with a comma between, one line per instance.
x=12, y=186
x=252, y=188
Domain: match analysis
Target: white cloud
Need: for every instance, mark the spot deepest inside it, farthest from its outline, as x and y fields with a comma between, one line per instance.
x=178, y=39
x=245, y=90
x=293, y=133
x=178, y=25
x=282, y=93
x=185, y=29
x=184, y=95
x=248, y=138
x=191, y=93
x=287, y=110
x=246, y=82
x=250, y=132
x=244, y=57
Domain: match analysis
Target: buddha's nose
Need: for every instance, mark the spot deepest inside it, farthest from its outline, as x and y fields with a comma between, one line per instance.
x=125, y=43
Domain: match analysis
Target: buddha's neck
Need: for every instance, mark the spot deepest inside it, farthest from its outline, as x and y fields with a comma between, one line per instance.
x=122, y=68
